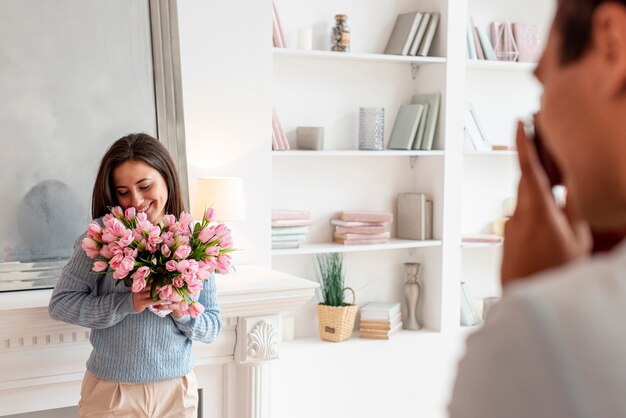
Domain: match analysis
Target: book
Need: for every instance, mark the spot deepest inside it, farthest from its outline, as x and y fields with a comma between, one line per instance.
x=359, y=229
x=421, y=128
x=412, y=216
x=350, y=224
x=419, y=35
x=379, y=311
x=381, y=334
x=405, y=127
x=294, y=237
x=485, y=43
x=284, y=245
x=429, y=219
x=468, y=307
x=280, y=134
x=473, y=129
x=291, y=222
x=528, y=42
x=477, y=45
x=287, y=230
x=469, y=38
x=290, y=214
x=429, y=35
x=363, y=241
x=487, y=238
x=381, y=325
x=403, y=33
x=431, y=121
x=366, y=216
x=279, y=27
x=350, y=236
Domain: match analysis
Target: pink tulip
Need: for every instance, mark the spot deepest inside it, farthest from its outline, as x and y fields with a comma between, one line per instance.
x=196, y=309
x=94, y=231
x=171, y=265
x=212, y=251
x=141, y=216
x=90, y=247
x=130, y=213
x=209, y=214
x=165, y=250
x=226, y=241
x=178, y=282
x=206, y=234
x=117, y=212
x=169, y=220
x=142, y=273
x=182, y=252
x=100, y=266
x=138, y=285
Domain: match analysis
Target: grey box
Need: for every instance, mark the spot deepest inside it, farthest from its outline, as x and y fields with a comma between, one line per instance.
x=414, y=216
x=310, y=137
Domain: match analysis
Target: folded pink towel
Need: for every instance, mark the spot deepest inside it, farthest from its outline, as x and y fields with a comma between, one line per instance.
x=281, y=214
x=359, y=229
x=349, y=224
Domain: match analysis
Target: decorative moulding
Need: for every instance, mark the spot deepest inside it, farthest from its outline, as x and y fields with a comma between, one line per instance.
x=258, y=339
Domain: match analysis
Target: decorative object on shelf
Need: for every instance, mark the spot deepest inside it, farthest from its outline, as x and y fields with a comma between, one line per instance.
x=405, y=127
x=497, y=226
x=289, y=227
x=336, y=318
x=414, y=216
x=279, y=139
x=504, y=42
x=412, y=295
x=278, y=33
x=371, y=128
x=474, y=134
x=488, y=303
x=310, y=137
x=380, y=320
x=426, y=134
x=340, y=37
x=305, y=38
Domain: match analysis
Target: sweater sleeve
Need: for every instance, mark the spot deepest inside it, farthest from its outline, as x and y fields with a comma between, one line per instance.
x=75, y=298
x=207, y=326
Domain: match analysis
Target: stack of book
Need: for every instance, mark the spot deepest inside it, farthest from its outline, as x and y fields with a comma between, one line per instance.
x=412, y=34
x=361, y=227
x=289, y=227
x=416, y=123
x=509, y=42
x=380, y=320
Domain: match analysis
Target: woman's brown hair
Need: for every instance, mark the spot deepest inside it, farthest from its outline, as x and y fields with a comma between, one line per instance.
x=135, y=147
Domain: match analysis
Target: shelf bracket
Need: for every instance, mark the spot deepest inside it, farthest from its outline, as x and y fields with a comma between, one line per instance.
x=412, y=160
x=414, y=68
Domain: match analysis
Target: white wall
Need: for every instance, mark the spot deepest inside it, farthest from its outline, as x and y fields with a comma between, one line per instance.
x=226, y=74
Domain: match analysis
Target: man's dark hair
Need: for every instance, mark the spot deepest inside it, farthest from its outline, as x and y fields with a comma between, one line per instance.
x=573, y=20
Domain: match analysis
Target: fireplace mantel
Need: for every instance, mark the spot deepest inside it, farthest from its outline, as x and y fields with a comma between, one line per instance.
x=42, y=361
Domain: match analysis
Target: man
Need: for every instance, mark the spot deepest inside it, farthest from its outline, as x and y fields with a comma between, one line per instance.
x=555, y=346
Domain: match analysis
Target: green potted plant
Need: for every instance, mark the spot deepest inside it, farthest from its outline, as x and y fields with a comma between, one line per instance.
x=336, y=318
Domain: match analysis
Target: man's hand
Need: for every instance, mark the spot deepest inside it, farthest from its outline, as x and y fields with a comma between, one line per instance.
x=540, y=236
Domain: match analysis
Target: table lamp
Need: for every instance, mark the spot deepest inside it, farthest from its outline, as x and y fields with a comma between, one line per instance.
x=224, y=195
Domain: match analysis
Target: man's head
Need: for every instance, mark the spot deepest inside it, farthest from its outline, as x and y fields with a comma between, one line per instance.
x=583, y=107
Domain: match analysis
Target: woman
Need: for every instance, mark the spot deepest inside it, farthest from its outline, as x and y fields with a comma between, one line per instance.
x=141, y=364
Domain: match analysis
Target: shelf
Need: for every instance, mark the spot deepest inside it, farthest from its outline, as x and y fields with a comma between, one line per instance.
x=315, y=343
x=356, y=153
x=481, y=244
x=501, y=65
x=491, y=153
x=329, y=247
x=350, y=56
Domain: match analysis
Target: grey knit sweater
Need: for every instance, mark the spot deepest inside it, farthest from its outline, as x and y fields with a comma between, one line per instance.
x=129, y=346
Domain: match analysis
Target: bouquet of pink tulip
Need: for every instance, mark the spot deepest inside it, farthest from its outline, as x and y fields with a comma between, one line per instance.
x=173, y=257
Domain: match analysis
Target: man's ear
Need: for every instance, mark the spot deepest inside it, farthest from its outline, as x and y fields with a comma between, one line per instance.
x=609, y=41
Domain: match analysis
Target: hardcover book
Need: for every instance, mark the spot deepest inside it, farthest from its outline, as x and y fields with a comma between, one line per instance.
x=291, y=222
x=490, y=54
x=403, y=33
x=351, y=224
x=285, y=245
x=366, y=216
x=469, y=38
x=421, y=30
x=287, y=230
x=362, y=241
x=413, y=216
x=430, y=34
x=290, y=214
x=432, y=100
x=359, y=229
x=421, y=128
x=405, y=127
x=477, y=45
x=350, y=236
x=379, y=311
x=381, y=325
x=528, y=42
x=381, y=334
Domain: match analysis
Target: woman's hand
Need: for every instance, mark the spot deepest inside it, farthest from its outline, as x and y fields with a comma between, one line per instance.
x=142, y=299
x=540, y=235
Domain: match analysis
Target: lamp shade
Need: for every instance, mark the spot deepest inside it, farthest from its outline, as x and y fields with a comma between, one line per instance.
x=224, y=195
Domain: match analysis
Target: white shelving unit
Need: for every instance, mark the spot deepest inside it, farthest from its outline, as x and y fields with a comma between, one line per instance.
x=322, y=88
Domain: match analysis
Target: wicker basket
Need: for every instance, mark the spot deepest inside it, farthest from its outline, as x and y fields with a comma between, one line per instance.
x=336, y=323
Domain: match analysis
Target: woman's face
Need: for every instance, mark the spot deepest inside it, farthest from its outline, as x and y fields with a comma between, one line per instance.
x=142, y=187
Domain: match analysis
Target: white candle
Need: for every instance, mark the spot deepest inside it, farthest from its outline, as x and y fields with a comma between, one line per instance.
x=305, y=38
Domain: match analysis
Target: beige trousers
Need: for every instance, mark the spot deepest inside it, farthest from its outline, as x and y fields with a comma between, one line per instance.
x=167, y=399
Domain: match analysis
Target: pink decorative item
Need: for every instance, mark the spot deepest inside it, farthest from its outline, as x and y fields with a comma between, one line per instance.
x=528, y=42
x=173, y=258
